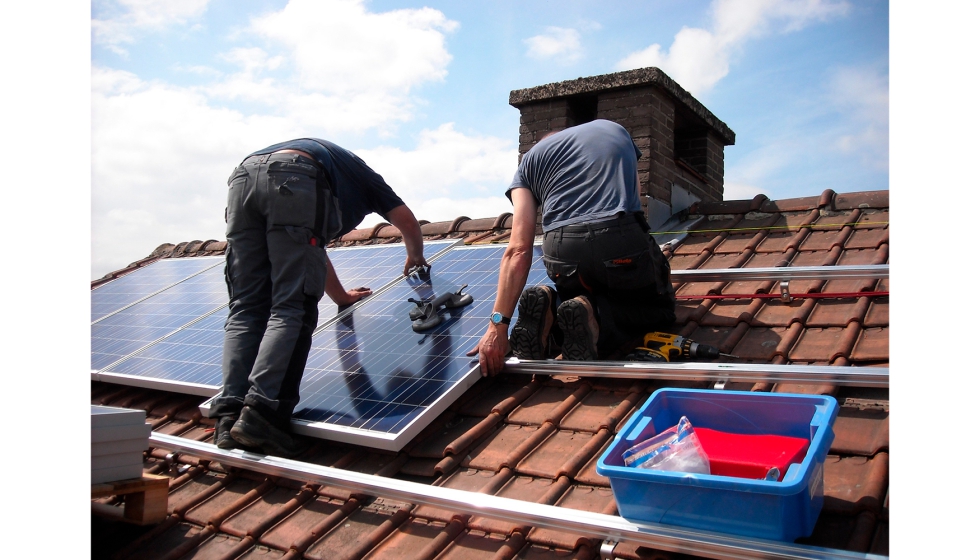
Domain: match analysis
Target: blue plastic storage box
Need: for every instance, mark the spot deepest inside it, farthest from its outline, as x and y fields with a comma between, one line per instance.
x=784, y=510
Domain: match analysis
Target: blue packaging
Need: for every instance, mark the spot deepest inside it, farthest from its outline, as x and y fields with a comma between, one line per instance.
x=778, y=510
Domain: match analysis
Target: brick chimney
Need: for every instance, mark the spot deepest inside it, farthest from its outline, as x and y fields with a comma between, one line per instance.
x=682, y=142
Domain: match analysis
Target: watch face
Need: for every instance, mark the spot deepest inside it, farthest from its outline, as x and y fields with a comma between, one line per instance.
x=496, y=318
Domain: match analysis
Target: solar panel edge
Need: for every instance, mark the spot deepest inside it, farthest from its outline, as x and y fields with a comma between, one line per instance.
x=182, y=387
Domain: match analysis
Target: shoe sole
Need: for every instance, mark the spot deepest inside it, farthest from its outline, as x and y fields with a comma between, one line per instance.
x=525, y=338
x=268, y=446
x=573, y=320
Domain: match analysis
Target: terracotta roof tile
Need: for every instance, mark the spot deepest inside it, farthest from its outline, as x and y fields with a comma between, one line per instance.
x=860, y=431
x=551, y=459
x=872, y=345
x=312, y=519
x=528, y=489
x=866, y=199
x=853, y=484
x=477, y=545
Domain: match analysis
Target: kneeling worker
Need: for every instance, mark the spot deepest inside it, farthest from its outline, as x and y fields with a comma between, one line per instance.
x=285, y=203
x=612, y=279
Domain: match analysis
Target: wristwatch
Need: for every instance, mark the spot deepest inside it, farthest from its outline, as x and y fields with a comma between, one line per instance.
x=497, y=317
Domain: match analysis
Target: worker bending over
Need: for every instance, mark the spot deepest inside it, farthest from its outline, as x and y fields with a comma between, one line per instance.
x=285, y=203
x=612, y=279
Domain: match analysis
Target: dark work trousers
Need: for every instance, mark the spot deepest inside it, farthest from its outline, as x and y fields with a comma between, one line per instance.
x=620, y=268
x=275, y=270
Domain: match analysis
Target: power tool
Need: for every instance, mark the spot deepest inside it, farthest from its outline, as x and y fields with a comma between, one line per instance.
x=667, y=347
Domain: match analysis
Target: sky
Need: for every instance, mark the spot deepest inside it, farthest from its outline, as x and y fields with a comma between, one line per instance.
x=182, y=90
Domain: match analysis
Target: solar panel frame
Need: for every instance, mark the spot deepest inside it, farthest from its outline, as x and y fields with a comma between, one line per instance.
x=145, y=367
x=413, y=404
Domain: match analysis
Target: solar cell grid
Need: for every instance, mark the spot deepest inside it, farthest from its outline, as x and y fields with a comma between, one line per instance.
x=190, y=358
x=118, y=335
x=136, y=285
x=371, y=372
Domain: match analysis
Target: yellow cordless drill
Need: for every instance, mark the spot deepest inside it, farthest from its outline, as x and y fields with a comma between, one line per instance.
x=666, y=347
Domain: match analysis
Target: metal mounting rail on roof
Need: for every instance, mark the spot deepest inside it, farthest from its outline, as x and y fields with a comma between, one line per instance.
x=698, y=371
x=781, y=273
x=585, y=523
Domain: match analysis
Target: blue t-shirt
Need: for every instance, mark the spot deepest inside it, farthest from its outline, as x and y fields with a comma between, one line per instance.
x=582, y=174
x=359, y=188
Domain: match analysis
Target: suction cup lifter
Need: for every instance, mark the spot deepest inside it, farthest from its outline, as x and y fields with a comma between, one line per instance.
x=427, y=315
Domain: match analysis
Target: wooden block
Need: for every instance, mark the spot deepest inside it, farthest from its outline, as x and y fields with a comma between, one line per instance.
x=144, y=499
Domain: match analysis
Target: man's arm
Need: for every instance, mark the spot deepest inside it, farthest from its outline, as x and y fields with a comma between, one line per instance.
x=335, y=290
x=514, y=268
x=402, y=218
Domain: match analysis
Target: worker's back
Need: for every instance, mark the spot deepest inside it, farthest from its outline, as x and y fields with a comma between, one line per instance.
x=582, y=174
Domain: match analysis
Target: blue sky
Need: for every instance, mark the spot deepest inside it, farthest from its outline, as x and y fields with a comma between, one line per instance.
x=183, y=89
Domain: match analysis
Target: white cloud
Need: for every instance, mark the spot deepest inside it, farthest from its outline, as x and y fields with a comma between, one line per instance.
x=699, y=58
x=160, y=159
x=391, y=51
x=449, y=174
x=556, y=43
x=161, y=154
x=742, y=191
x=861, y=96
x=130, y=18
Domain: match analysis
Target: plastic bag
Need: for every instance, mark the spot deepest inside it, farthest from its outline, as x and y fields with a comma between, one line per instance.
x=674, y=449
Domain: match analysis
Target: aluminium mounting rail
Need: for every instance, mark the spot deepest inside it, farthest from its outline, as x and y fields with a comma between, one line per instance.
x=781, y=273
x=594, y=525
x=698, y=371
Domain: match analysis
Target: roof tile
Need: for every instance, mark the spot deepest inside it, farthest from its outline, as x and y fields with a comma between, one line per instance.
x=312, y=519
x=477, y=545
x=361, y=531
x=853, y=484
x=860, y=432
x=872, y=345
x=549, y=458
x=599, y=409
x=528, y=489
x=866, y=199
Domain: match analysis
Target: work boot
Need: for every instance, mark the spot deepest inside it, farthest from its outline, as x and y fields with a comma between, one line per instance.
x=222, y=433
x=578, y=324
x=536, y=314
x=253, y=430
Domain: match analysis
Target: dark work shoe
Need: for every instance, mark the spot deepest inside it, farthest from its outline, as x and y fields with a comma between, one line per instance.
x=222, y=433
x=252, y=430
x=577, y=322
x=529, y=337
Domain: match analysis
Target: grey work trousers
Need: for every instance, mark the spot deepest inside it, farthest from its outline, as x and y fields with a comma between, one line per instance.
x=275, y=271
x=618, y=266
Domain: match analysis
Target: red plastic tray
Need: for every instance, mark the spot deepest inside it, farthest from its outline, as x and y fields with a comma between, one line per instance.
x=750, y=456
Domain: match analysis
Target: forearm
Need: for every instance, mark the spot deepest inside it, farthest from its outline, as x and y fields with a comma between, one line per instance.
x=514, y=268
x=332, y=287
x=404, y=219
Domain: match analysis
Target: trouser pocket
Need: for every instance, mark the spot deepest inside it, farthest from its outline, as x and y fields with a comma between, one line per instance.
x=630, y=272
x=564, y=274
x=293, y=192
x=235, y=210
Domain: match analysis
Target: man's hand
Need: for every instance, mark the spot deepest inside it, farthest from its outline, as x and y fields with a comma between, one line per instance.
x=493, y=347
x=411, y=263
x=352, y=296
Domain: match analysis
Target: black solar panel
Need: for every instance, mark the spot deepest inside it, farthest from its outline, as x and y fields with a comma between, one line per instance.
x=126, y=290
x=372, y=380
x=189, y=359
x=125, y=332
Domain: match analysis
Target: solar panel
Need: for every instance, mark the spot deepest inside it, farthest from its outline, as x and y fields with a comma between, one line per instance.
x=126, y=290
x=371, y=380
x=118, y=335
x=189, y=359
